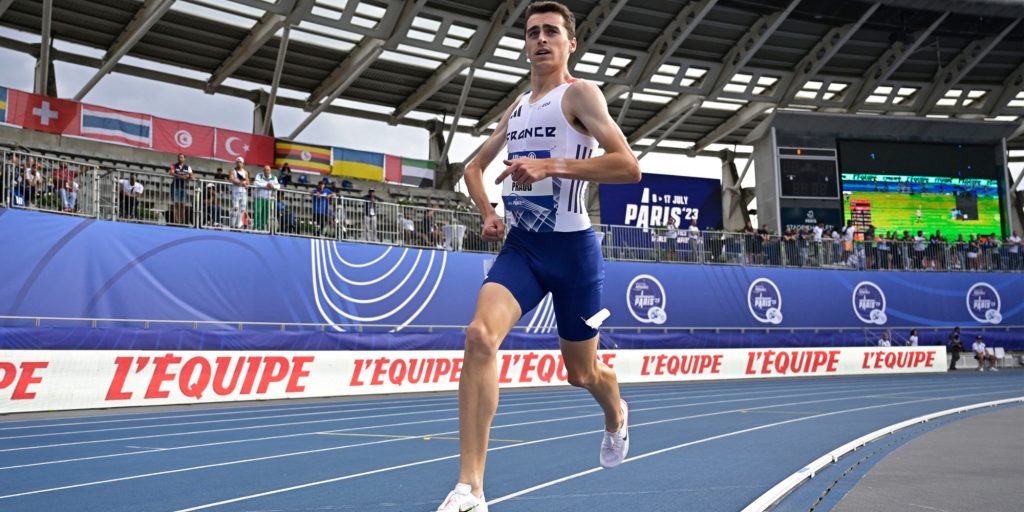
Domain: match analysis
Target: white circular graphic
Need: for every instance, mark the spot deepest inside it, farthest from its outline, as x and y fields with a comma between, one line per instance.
x=764, y=300
x=183, y=139
x=307, y=156
x=869, y=303
x=984, y=303
x=646, y=300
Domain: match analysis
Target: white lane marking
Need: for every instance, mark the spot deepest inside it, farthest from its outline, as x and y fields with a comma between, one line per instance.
x=569, y=477
x=528, y=443
x=588, y=400
x=714, y=438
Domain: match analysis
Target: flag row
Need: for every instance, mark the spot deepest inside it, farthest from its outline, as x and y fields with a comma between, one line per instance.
x=71, y=118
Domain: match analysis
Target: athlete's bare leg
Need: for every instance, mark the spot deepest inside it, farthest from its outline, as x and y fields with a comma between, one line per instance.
x=497, y=311
x=587, y=372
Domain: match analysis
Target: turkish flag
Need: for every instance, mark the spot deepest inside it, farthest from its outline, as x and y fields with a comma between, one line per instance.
x=43, y=113
x=255, y=149
x=187, y=138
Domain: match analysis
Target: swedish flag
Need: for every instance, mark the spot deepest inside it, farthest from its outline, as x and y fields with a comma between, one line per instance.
x=3, y=104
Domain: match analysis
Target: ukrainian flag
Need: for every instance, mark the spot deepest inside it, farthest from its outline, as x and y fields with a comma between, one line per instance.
x=363, y=165
x=3, y=104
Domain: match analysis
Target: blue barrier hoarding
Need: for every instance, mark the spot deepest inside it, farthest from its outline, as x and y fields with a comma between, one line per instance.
x=656, y=197
x=60, y=266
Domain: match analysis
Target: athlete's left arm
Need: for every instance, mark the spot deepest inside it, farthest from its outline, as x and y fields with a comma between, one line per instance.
x=585, y=102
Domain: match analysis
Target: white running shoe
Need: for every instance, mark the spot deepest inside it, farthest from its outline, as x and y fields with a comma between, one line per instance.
x=615, y=445
x=462, y=500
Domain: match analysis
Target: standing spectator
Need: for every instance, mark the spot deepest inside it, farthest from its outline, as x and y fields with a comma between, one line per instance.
x=912, y=341
x=239, y=178
x=882, y=254
x=982, y=355
x=849, y=232
x=885, y=341
x=696, y=241
x=182, y=174
x=211, y=207
x=870, y=252
x=322, y=211
x=764, y=236
x=1013, y=251
x=286, y=221
x=973, y=249
x=750, y=244
x=955, y=348
x=131, y=190
x=919, y=247
x=671, y=238
x=370, y=212
x=265, y=185
x=286, y=175
x=960, y=252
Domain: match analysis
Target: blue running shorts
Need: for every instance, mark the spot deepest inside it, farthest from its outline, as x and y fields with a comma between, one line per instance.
x=569, y=265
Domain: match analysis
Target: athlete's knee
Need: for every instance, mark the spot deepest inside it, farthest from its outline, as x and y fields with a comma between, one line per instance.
x=582, y=377
x=481, y=341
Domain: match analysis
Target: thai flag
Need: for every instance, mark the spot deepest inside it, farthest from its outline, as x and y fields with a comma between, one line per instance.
x=117, y=126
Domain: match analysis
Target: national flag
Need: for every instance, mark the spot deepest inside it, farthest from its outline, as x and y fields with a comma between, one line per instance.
x=363, y=165
x=418, y=173
x=42, y=113
x=393, y=168
x=177, y=137
x=117, y=126
x=255, y=149
x=3, y=104
x=302, y=157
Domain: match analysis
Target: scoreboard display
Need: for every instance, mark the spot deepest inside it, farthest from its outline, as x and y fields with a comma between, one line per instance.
x=808, y=173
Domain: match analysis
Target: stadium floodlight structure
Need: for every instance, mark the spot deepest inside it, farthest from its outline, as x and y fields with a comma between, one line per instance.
x=724, y=64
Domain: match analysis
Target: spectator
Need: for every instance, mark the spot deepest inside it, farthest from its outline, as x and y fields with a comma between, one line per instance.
x=131, y=190
x=885, y=341
x=286, y=175
x=286, y=221
x=912, y=341
x=696, y=240
x=69, y=194
x=955, y=348
x=31, y=180
x=219, y=175
x=982, y=355
x=407, y=226
x=182, y=174
x=1013, y=244
x=973, y=249
x=265, y=184
x=919, y=247
x=849, y=232
x=239, y=193
x=370, y=212
x=428, y=231
x=211, y=207
x=882, y=252
x=322, y=211
x=761, y=242
x=60, y=178
x=960, y=252
x=671, y=238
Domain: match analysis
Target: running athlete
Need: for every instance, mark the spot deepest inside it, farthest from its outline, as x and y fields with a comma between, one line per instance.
x=551, y=133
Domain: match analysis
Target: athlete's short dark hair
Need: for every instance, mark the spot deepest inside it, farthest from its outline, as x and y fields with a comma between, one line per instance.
x=545, y=7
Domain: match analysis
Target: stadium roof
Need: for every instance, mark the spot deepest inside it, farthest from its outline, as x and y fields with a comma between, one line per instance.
x=682, y=75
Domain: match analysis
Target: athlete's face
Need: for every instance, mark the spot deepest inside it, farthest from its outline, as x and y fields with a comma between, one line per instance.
x=547, y=42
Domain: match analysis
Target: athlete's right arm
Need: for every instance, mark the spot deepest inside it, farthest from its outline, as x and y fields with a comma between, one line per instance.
x=494, y=228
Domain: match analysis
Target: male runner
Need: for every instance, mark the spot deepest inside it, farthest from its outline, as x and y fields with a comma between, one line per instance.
x=551, y=132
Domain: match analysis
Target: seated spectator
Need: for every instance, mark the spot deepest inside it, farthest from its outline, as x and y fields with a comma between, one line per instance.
x=885, y=341
x=31, y=181
x=286, y=175
x=220, y=175
x=982, y=355
x=131, y=189
x=69, y=195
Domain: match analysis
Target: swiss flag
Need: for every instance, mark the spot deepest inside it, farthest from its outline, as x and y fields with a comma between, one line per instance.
x=43, y=113
x=177, y=137
x=255, y=149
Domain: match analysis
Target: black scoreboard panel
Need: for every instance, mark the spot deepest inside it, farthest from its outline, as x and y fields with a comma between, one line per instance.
x=808, y=173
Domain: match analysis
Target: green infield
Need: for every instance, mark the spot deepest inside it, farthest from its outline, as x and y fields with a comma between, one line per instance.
x=892, y=211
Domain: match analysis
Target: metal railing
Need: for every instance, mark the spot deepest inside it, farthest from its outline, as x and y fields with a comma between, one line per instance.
x=159, y=198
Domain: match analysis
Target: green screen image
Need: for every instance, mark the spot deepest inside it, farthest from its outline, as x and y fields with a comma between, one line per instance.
x=953, y=206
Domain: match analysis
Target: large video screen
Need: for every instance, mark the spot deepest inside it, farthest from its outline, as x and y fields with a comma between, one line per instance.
x=951, y=188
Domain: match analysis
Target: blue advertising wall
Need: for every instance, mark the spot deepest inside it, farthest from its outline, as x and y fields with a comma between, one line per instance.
x=650, y=202
x=60, y=266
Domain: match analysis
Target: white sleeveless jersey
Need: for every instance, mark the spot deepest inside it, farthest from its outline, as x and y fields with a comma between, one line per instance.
x=539, y=129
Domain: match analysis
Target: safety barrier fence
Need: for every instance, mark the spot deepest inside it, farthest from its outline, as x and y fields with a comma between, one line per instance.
x=64, y=186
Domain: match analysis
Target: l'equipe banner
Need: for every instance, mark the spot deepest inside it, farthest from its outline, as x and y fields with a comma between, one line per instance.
x=36, y=380
x=657, y=197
